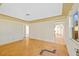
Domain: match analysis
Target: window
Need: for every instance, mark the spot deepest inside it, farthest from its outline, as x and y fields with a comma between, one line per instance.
x=59, y=31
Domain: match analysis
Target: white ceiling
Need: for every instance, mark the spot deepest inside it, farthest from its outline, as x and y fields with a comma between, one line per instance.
x=31, y=11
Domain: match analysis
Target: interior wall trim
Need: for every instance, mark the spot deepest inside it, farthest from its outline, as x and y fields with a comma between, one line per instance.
x=65, y=11
x=49, y=19
x=9, y=18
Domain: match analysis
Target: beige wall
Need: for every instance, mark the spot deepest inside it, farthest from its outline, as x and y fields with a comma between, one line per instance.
x=11, y=31
x=45, y=30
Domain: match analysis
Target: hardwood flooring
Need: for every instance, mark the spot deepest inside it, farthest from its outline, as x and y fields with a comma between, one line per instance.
x=32, y=47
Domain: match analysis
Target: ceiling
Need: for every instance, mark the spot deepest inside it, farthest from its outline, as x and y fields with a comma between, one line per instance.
x=31, y=11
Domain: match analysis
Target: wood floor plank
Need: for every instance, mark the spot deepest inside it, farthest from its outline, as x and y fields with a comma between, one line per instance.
x=34, y=47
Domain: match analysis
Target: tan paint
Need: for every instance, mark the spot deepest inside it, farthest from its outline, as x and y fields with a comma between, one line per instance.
x=66, y=8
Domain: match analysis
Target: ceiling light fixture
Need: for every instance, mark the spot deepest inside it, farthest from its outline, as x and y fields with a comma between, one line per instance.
x=27, y=14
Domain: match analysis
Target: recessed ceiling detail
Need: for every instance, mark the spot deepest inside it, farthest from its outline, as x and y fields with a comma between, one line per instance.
x=31, y=11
